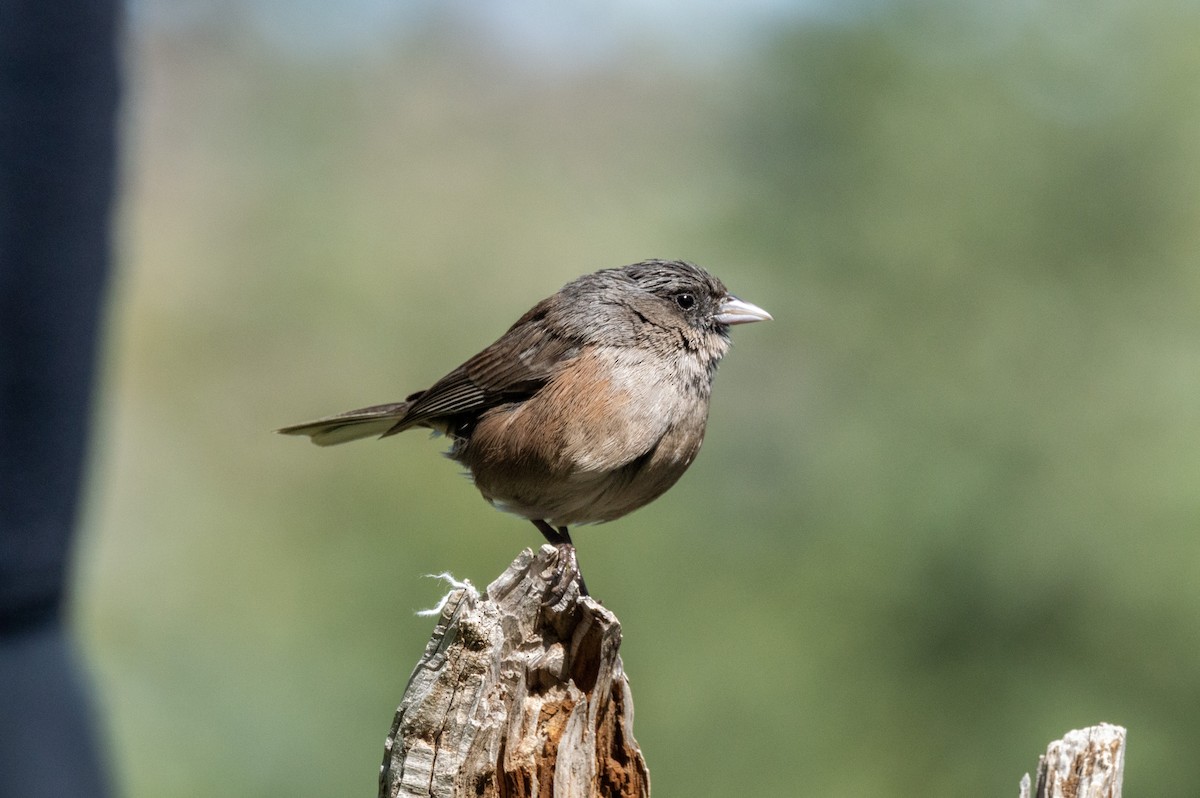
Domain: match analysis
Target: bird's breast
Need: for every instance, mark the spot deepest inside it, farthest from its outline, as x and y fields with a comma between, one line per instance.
x=612, y=430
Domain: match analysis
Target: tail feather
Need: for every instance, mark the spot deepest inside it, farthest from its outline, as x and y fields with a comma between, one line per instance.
x=345, y=427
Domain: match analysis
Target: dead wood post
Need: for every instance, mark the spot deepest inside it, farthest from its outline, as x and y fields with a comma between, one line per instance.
x=520, y=693
x=1086, y=763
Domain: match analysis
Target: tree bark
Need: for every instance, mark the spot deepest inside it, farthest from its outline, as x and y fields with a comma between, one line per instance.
x=1086, y=763
x=520, y=692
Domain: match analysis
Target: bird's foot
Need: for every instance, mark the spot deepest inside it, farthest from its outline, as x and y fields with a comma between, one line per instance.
x=562, y=538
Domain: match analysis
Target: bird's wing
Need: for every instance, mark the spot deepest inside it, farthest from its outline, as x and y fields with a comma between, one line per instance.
x=510, y=370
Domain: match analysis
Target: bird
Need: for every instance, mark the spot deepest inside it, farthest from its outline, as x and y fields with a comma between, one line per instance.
x=592, y=405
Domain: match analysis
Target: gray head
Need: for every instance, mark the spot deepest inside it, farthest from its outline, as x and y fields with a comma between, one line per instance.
x=673, y=300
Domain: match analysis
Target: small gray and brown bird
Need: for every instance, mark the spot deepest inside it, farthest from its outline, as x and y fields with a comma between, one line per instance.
x=592, y=405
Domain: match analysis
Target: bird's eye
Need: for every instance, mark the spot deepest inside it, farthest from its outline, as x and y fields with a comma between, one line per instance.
x=685, y=301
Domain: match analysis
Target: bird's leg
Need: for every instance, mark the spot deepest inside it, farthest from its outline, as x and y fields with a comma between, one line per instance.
x=561, y=537
x=552, y=537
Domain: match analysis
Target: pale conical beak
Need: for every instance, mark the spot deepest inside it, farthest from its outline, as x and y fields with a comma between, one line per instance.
x=735, y=311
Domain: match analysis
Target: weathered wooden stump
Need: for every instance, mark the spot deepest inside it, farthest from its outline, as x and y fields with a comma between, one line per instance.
x=520, y=692
x=1085, y=763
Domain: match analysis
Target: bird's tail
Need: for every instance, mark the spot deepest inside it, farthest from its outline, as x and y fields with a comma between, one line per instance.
x=344, y=427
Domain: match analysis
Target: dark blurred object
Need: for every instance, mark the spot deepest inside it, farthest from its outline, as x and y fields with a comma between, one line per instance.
x=58, y=103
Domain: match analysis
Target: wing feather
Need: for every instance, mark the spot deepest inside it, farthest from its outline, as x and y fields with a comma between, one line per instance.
x=510, y=370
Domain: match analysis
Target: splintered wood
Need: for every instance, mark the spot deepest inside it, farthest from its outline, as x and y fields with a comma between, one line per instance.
x=1086, y=763
x=520, y=692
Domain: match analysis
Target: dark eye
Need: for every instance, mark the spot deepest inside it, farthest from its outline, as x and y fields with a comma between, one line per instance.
x=685, y=301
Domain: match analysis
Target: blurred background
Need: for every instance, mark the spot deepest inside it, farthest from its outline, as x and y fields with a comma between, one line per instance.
x=949, y=502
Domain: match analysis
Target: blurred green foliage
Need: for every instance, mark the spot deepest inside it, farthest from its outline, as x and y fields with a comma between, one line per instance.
x=949, y=503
